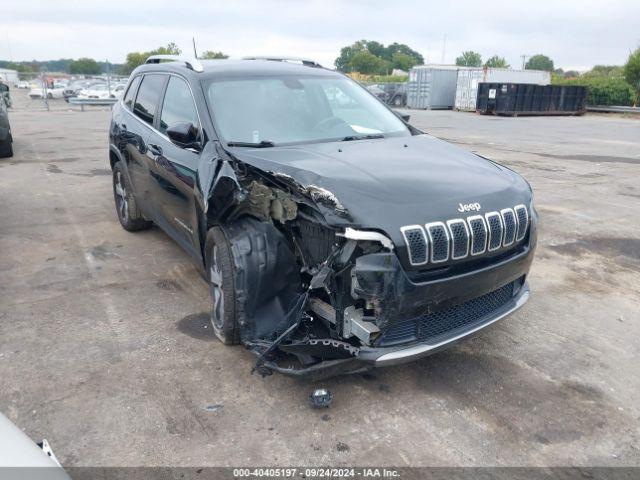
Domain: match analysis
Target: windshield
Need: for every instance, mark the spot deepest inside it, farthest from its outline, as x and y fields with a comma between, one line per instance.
x=298, y=109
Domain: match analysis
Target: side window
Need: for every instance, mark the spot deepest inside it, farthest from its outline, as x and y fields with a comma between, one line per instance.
x=128, y=99
x=178, y=106
x=148, y=97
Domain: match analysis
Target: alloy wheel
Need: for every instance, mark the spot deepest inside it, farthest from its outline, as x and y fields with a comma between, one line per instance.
x=217, y=293
x=121, y=198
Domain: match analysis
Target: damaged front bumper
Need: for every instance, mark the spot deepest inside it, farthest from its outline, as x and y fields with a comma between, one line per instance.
x=410, y=312
x=382, y=357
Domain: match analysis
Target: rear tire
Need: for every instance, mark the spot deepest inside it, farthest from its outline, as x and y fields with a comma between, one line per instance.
x=6, y=148
x=128, y=212
x=221, y=277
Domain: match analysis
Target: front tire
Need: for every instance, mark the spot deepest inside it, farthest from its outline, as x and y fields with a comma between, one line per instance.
x=128, y=212
x=221, y=277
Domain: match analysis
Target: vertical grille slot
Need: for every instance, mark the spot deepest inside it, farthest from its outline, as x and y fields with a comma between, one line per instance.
x=478, y=231
x=439, y=240
x=494, y=223
x=417, y=244
x=509, y=221
x=522, y=216
x=459, y=238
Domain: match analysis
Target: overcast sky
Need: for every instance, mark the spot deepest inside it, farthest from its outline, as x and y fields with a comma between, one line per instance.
x=576, y=34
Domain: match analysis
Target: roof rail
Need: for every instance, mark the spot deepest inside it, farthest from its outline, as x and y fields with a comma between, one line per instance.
x=304, y=61
x=191, y=63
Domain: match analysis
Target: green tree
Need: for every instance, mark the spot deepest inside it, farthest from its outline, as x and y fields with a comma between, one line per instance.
x=394, y=48
x=366, y=62
x=376, y=48
x=384, y=54
x=632, y=72
x=84, y=66
x=613, y=71
x=403, y=61
x=469, y=59
x=135, y=59
x=211, y=55
x=347, y=53
x=497, y=62
x=539, y=62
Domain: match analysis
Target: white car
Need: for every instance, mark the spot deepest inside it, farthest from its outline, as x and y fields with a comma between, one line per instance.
x=23, y=84
x=39, y=92
x=101, y=92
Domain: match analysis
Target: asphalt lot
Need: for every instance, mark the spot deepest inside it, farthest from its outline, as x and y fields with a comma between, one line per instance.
x=104, y=348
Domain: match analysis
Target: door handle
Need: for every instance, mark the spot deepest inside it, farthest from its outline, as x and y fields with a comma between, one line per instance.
x=155, y=149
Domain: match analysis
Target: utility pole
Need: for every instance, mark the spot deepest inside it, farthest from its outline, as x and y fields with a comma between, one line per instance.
x=524, y=59
x=444, y=48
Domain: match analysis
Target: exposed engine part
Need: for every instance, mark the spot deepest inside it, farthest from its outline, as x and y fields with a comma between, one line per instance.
x=316, y=242
x=320, y=398
x=354, y=234
x=266, y=203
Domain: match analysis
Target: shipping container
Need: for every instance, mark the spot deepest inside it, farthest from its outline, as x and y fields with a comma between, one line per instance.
x=469, y=78
x=525, y=99
x=432, y=86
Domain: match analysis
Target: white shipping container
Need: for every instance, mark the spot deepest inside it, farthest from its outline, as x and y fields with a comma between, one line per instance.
x=432, y=86
x=469, y=78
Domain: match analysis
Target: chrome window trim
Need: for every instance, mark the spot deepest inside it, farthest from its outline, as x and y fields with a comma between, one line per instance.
x=486, y=216
x=446, y=233
x=406, y=240
x=452, y=239
x=526, y=213
x=504, y=227
x=471, y=235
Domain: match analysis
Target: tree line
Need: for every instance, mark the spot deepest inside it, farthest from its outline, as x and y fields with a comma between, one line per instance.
x=89, y=66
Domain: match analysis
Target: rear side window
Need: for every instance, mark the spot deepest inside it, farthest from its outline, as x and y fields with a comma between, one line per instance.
x=178, y=106
x=148, y=97
x=128, y=99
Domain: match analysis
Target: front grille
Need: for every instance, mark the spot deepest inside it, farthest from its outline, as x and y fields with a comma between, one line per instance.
x=417, y=243
x=523, y=221
x=438, y=242
x=478, y=231
x=510, y=227
x=437, y=326
x=459, y=238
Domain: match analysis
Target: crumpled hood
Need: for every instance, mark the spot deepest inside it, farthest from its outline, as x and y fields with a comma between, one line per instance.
x=385, y=184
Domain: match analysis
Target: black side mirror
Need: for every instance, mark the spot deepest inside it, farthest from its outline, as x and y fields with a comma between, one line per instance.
x=184, y=135
x=403, y=116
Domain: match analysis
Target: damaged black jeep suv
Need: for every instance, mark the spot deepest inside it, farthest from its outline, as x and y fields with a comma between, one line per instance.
x=334, y=236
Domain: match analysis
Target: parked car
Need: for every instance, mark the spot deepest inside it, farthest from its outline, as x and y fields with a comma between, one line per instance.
x=23, y=84
x=334, y=236
x=6, y=140
x=394, y=94
x=5, y=94
x=102, y=91
x=378, y=92
x=39, y=92
x=74, y=88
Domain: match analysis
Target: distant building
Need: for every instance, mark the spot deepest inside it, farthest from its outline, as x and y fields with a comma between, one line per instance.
x=9, y=76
